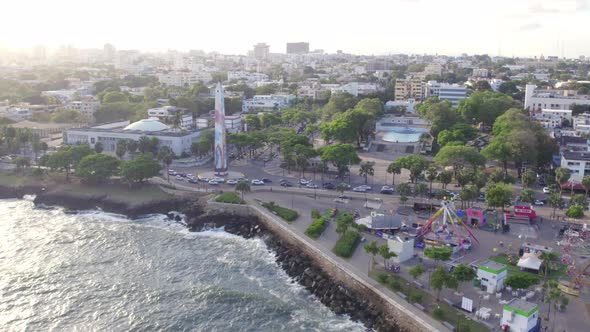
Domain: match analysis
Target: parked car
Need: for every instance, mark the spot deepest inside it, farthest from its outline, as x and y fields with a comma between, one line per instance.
x=539, y=202
x=328, y=185
x=312, y=185
x=387, y=190
x=546, y=190
x=213, y=182
x=303, y=181
x=179, y=178
x=367, y=188
x=257, y=182
x=232, y=182
x=172, y=172
x=482, y=197
x=204, y=179
x=218, y=180
x=265, y=180
x=359, y=189
x=286, y=184
x=193, y=181
x=345, y=185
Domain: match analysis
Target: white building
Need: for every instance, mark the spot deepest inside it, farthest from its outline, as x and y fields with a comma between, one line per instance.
x=184, y=79
x=357, y=88
x=433, y=69
x=88, y=105
x=582, y=124
x=168, y=113
x=233, y=123
x=408, y=105
x=479, y=72
x=552, y=118
x=444, y=91
x=578, y=162
x=246, y=76
x=15, y=113
x=110, y=134
x=495, y=83
x=267, y=103
x=202, y=123
x=520, y=316
x=535, y=99
x=492, y=275
x=403, y=247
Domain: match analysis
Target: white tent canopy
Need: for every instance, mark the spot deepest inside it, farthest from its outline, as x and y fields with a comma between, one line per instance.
x=529, y=261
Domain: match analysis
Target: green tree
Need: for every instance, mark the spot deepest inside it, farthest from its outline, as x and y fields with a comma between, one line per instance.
x=438, y=280
x=438, y=253
x=575, y=211
x=529, y=178
x=463, y=273
x=385, y=253
x=498, y=195
x=340, y=155
x=139, y=169
x=586, y=183
x=485, y=106
x=431, y=175
x=415, y=164
x=98, y=147
x=366, y=169
x=66, y=116
x=115, y=97
x=440, y=114
x=404, y=190
x=498, y=150
x=343, y=223
x=341, y=128
x=445, y=177
x=459, y=157
x=548, y=259
x=521, y=280
x=416, y=271
x=527, y=195
x=243, y=187
x=393, y=169
x=555, y=201
x=166, y=156
x=421, y=189
x=97, y=168
x=121, y=149
x=372, y=249
x=21, y=163
x=562, y=175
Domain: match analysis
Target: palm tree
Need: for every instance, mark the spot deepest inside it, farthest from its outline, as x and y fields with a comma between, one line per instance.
x=431, y=175
x=243, y=187
x=372, y=249
x=367, y=169
x=394, y=168
x=386, y=254
x=166, y=156
x=562, y=175
x=547, y=258
x=121, y=149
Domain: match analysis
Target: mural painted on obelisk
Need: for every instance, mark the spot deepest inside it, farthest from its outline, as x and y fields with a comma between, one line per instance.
x=220, y=148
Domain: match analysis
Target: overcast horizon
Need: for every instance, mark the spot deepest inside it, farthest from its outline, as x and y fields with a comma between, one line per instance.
x=526, y=28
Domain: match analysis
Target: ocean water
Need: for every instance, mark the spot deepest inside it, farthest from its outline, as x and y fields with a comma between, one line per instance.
x=95, y=271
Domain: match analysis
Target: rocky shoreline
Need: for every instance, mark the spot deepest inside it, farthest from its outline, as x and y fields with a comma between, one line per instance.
x=336, y=296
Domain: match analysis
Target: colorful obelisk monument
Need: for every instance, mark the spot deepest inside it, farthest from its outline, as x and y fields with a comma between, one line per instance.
x=220, y=147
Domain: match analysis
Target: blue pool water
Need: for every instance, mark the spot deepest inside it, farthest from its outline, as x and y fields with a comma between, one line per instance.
x=404, y=134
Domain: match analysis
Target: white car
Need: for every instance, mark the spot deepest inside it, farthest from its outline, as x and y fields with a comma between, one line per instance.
x=172, y=172
x=257, y=182
x=220, y=180
x=367, y=188
x=312, y=186
x=359, y=189
x=539, y=203
x=303, y=181
x=213, y=182
x=546, y=190
x=232, y=182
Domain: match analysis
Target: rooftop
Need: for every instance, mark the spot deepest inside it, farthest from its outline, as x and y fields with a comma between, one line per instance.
x=571, y=155
x=492, y=267
x=521, y=307
x=149, y=125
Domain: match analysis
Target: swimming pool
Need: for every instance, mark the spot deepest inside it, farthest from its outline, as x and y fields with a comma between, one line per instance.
x=404, y=134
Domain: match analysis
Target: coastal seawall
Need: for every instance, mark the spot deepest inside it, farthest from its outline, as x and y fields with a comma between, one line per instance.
x=332, y=282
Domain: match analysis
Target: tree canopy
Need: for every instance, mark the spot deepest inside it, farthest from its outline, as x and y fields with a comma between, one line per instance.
x=97, y=167
x=139, y=169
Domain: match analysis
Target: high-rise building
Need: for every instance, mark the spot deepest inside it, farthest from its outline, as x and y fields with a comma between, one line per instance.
x=409, y=88
x=220, y=148
x=261, y=51
x=109, y=51
x=297, y=48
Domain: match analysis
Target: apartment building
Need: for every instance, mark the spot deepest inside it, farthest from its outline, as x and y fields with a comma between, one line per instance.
x=409, y=88
x=581, y=124
x=246, y=76
x=480, y=72
x=167, y=114
x=578, y=162
x=267, y=103
x=184, y=79
x=87, y=105
x=297, y=48
x=444, y=91
x=357, y=88
x=551, y=119
x=537, y=99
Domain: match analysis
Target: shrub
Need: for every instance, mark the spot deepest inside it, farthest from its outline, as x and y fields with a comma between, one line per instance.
x=416, y=297
x=347, y=243
x=438, y=313
x=360, y=227
x=394, y=283
x=229, y=197
x=286, y=214
x=521, y=280
x=316, y=228
x=315, y=214
x=575, y=211
x=382, y=277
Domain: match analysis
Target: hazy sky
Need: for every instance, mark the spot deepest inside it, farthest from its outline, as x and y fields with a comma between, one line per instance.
x=511, y=27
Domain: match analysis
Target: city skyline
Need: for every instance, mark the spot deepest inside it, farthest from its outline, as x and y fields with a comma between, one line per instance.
x=523, y=28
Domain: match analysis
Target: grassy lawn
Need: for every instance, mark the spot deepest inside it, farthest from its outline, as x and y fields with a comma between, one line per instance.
x=438, y=310
x=557, y=274
x=346, y=245
x=286, y=214
x=229, y=197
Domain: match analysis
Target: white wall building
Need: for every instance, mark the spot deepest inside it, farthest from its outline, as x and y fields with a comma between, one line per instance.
x=581, y=124
x=246, y=76
x=233, y=123
x=15, y=113
x=87, y=106
x=479, y=72
x=552, y=118
x=403, y=247
x=492, y=275
x=578, y=162
x=535, y=99
x=520, y=316
x=444, y=91
x=267, y=103
x=495, y=83
x=109, y=135
x=168, y=113
x=184, y=79
x=357, y=88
